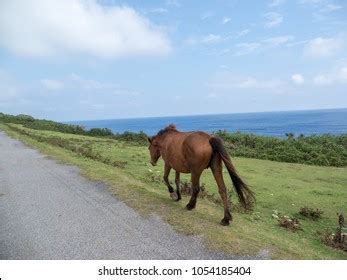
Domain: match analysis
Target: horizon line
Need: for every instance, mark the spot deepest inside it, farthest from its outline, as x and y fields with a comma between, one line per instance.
x=213, y=114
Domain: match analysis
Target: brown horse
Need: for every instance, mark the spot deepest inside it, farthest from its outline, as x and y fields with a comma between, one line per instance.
x=192, y=152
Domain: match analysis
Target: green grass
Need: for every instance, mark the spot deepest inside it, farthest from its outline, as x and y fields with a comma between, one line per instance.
x=283, y=187
x=323, y=150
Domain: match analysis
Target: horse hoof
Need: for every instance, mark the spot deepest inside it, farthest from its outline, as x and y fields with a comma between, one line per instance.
x=174, y=196
x=178, y=198
x=189, y=207
x=224, y=222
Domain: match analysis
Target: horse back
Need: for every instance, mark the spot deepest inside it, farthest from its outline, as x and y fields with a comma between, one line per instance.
x=197, y=146
x=188, y=151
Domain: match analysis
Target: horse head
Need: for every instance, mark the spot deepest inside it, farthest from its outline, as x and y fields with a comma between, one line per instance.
x=154, y=149
x=155, y=141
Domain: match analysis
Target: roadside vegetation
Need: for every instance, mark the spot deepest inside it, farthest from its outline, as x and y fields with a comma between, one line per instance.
x=296, y=203
x=323, y=150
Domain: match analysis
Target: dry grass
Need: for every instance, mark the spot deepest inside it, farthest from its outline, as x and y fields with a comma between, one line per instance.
x=292, y=224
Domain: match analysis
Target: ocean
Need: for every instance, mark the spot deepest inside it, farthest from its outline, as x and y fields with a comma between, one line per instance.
x=333, y=121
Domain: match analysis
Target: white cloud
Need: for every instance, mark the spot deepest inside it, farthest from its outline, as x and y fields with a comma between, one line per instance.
x=298, y=79
x=322, y=80
x=218, y=52
x=297, y=43
x=81, y=84
x=311, y=2
x=229, y=80
x=275, y=3
x=247, y=48
x=75, y=80
x=324, y=5
x=207, y=39
x=48, y=27
x=158, y=11
x=279, y=40
x=52, y=84
x=173, y=3
x=211, y=39
x=273, y=19
x=323, y=47
x=272, y=42
x=77, y=83
x=226, y=20
x=321, y=8
x=331, y=8
x=207, y=15
x=243, y=32
x=336, y=77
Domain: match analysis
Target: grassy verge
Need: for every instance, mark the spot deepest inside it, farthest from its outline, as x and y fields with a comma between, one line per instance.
x=280, y=187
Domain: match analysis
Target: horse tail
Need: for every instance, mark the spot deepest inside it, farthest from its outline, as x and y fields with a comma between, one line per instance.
x=245, y=195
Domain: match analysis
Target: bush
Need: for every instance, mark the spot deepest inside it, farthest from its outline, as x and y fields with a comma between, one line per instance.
x=313, y=214
x=326, y=149
x=55, y=126
x=99, y=132
x=137, y=138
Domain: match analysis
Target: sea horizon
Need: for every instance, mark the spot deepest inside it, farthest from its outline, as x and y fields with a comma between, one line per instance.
x=276, y=123
x=207, y=114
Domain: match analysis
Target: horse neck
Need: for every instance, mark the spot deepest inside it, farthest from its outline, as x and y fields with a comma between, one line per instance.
x=165, y=137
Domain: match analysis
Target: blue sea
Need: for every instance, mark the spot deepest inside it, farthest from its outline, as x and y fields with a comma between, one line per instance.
x=277, y=124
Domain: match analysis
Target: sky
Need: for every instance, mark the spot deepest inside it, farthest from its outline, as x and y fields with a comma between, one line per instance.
x=87, y=59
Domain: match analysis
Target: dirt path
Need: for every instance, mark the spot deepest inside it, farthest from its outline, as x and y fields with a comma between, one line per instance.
x=48, y=211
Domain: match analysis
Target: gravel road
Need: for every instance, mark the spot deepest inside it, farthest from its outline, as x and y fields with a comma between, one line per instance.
x=49, y=211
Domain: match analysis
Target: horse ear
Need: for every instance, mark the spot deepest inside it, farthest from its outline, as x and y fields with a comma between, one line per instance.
x=149, y=139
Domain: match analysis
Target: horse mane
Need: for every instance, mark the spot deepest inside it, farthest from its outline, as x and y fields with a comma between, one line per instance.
x=167, y=129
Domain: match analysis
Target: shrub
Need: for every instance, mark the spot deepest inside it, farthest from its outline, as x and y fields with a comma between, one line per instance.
x=313, y=214
x=326, y=149
x=99, y=132
x=136, y=138
x=55, y=126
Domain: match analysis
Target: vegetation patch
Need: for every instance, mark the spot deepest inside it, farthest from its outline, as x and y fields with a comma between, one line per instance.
x=337, y=240
x=313, y=214
x=292, y=224
x=325, y=150
x=84, y=150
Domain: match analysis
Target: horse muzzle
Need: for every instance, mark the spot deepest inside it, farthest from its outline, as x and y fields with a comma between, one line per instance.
x=153, y=163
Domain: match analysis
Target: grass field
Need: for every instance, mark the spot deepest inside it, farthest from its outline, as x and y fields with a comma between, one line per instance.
x=280, y=188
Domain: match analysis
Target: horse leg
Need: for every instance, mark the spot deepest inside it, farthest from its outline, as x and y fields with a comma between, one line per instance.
x=166, y=180
x=177, y=181
x=216, y=167
x=195, y=190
